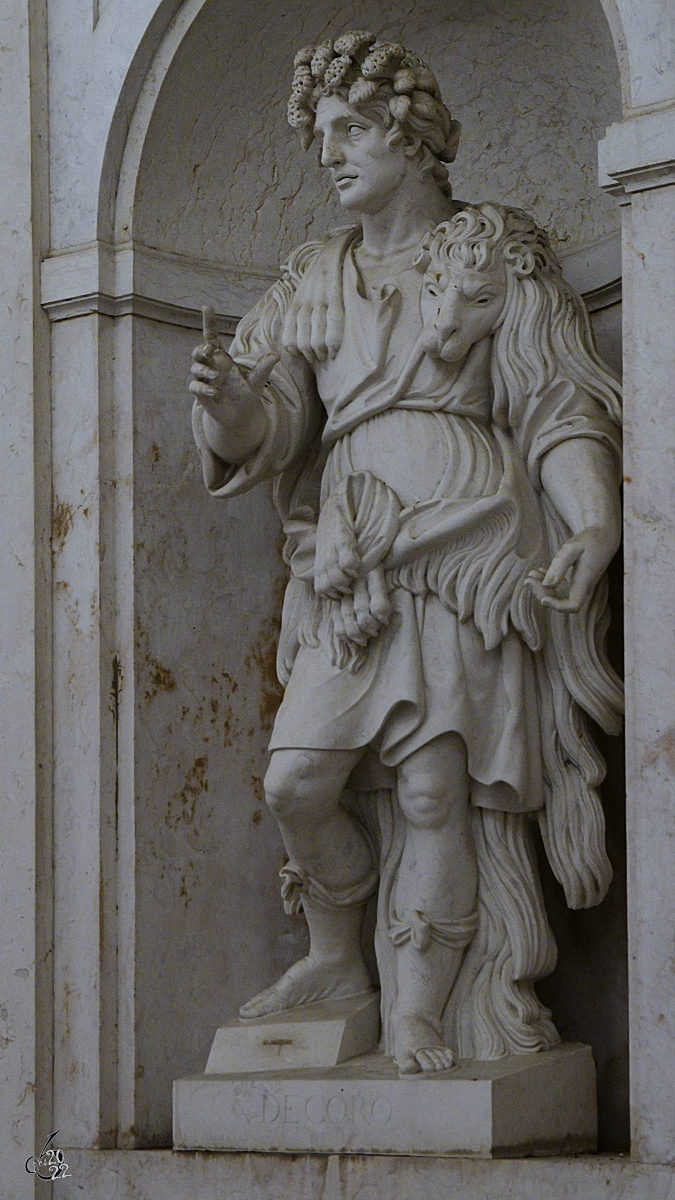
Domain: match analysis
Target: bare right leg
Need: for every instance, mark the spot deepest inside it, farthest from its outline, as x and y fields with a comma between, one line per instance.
x=331, y=859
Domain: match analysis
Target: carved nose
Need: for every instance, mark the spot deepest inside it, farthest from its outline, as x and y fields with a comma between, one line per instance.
x=330, y=155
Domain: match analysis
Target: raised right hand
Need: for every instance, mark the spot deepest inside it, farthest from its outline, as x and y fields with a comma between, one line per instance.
x=229, y=395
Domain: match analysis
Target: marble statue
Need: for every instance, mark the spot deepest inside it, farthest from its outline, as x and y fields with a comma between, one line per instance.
x=424, y=389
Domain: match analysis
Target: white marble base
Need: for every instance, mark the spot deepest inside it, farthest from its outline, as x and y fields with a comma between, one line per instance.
x=530, y=1104
x=317, y=1035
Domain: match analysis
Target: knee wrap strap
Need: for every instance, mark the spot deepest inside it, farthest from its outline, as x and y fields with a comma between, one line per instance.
x=421, y=930
x=296, y=884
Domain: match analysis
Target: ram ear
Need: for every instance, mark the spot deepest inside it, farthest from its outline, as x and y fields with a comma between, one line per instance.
x=423, y=254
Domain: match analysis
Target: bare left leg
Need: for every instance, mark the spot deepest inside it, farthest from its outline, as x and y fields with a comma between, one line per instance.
x=435, y=898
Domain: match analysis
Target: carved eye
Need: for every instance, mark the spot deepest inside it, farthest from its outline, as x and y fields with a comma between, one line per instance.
x=353, y=129
x=430, y=289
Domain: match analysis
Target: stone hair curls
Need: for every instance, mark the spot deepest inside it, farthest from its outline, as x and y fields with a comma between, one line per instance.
x=361, y=70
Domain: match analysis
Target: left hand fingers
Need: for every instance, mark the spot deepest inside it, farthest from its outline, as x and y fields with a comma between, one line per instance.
x=583, y=583
x=564, y=559
x=583, y=559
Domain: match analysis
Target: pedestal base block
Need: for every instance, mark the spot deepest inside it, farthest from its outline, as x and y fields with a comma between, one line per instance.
x=317, y=1035
x=529, y=1104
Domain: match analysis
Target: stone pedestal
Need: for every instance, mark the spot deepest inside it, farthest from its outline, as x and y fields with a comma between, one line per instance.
x=319, y=1035
x=529, y=1104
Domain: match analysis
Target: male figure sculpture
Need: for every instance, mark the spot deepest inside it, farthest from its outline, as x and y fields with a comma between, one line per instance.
x=424, y=389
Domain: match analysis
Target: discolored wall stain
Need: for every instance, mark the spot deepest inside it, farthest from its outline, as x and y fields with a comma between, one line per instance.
x=662, y=751
x=263, y=656
x=62, y=523
x=161, y=680
x=181, y=808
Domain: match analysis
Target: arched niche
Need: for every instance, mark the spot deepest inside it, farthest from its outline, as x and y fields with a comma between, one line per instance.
x=534, y=85
x=214, y=193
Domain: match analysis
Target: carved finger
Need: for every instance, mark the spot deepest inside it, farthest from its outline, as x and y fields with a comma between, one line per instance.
x=202, y=390
x=201, y=371
x=304, y=335
x=564, y=559
x=210, y=326
x=289, y=336
x=334, y=329
x=318, y=335
x=560, y=604
x=538, y=588
x=583, y=584
x=288, y=333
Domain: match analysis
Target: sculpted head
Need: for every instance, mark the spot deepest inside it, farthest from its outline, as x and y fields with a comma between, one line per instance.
x=468, y=263
x=352, y=86
x=492, y=270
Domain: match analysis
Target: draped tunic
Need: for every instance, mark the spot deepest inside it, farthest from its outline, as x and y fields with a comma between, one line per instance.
x=408, y=459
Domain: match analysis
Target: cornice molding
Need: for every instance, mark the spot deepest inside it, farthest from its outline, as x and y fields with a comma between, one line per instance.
x=136, y=280
x=638, y=154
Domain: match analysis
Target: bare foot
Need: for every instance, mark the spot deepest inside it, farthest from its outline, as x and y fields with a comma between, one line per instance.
x=419, y=1046
x=306, y=982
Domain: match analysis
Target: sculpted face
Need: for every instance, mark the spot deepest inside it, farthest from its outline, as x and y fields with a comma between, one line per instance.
x=459, y=306
x=365, y=169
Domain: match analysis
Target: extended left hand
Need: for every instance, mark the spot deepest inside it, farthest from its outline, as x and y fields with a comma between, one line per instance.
x=572, y=576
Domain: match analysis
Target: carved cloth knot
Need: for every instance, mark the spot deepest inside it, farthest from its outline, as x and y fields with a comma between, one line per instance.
x=296, y=884
x=292, y=885
x=421, y=930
